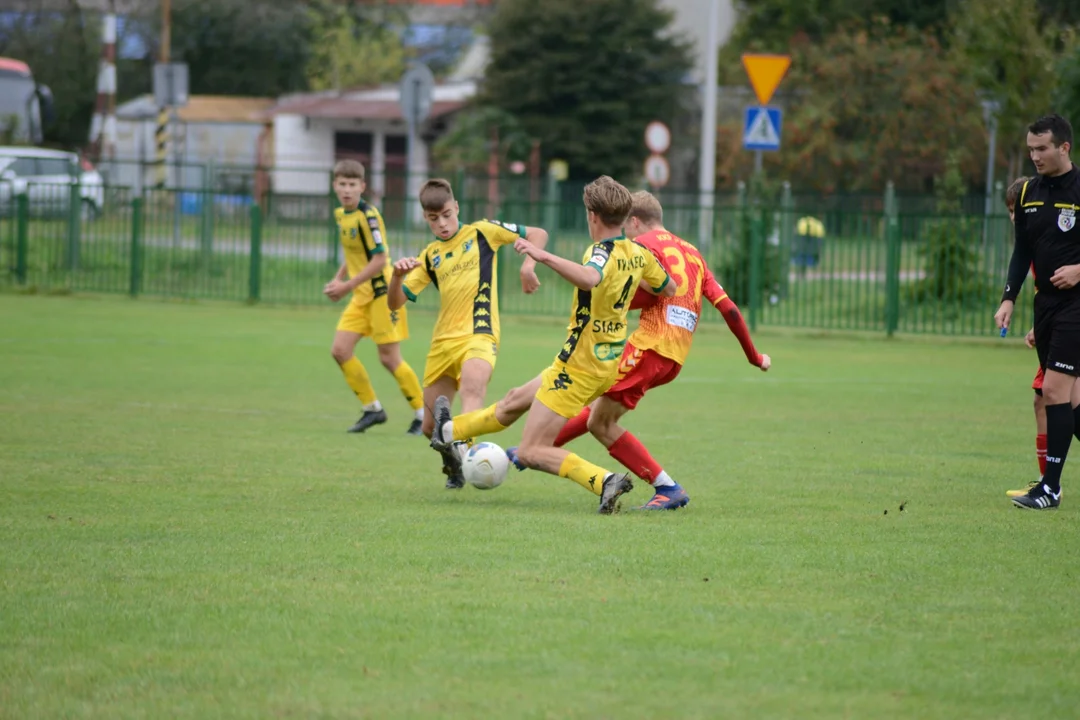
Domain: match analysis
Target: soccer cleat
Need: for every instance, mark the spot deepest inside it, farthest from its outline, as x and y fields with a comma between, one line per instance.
x=415, y=427
x=615, y=486
x=1039, y=498
x=369, y=418
x=511, y=455
x=455, y=480
x=1025, y=491
x=669, y=497
x=442, y=416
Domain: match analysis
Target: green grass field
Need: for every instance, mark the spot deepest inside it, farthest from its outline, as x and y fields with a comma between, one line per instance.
x=188, y=532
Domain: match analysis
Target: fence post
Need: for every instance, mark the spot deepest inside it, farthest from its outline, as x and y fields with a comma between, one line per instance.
x=206, y=236
x=757, y=251
x=22, y=236
x=135, y=284
x=255, y=272
x=74, y=224
x=892, y=261
x=787, y=235
x=552, y=201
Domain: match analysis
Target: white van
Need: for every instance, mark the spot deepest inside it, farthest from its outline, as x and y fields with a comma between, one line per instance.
x=46, y=176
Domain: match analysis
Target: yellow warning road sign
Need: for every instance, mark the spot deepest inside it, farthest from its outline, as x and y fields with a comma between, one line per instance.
x=765, y=73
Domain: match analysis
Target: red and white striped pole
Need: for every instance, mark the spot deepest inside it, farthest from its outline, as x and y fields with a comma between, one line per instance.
x=103, y=124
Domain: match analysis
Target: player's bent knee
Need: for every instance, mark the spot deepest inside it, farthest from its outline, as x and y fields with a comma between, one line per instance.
x=341, y=354
x=390, y=358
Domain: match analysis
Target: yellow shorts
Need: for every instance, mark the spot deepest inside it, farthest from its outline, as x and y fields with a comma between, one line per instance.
x=446, y=357
x=375, y=320
x=568, y=392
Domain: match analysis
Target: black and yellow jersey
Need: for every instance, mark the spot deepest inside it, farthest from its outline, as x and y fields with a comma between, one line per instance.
x=597, y=331
x=363, y=236
x=464, y=269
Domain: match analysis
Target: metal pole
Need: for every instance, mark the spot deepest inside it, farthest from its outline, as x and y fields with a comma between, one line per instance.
x=759, y=161
x=166, y=30
x=990, y=165
x=990, y=108
x=161, y=133
x=707, y=159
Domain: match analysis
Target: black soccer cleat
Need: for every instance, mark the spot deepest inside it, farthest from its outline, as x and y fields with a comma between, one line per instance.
x=615, y=486
x=442, y=416
x=455, y=480
x=369, y=418
x=415, y=427
x=1038, y=498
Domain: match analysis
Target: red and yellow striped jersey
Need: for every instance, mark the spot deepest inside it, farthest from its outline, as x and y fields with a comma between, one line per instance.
x=667, y=325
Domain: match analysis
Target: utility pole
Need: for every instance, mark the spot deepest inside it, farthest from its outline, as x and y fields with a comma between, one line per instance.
x=161, y=132
x=707, y=156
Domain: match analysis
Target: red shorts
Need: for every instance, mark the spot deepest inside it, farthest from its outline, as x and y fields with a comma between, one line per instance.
x=1036, y=384
x=640, y=370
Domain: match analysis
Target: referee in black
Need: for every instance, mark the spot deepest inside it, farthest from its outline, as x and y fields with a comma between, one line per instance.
x=1046, y=235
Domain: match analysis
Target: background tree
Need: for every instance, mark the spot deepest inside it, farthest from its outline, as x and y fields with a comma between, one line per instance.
x=586, y=77
x=353, y=45
x=871, y=104
x=1067, y=95
x=774, y=25
x=1011, y=56
x=467, y=144
x=242, y=47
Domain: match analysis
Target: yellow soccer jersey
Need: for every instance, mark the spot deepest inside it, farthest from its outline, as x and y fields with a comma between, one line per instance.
x=464, y=269
x=598, y=316
x=362, y=236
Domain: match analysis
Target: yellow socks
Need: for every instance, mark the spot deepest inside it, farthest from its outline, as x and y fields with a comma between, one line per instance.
x=477, y=422
x=410, y=385
x=358, y=380
x=584, y=473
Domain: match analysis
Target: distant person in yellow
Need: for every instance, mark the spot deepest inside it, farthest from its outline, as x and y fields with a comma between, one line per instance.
x=587, y=365
x=462, y=263
x=366, y=274
x=809, y=235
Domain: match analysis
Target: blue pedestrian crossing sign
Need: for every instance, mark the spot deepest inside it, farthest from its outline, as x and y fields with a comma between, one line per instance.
x=761, y=130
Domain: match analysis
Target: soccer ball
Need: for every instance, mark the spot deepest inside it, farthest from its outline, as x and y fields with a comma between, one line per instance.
x=485, y=465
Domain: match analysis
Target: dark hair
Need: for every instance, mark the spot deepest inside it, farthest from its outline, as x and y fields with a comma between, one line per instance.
x=434, y=194
x=1059, y=128
x=1013, y=193
x=351, y=169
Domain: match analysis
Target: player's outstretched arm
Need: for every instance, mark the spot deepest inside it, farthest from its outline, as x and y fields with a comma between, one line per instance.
x=582, y=277
x=395, y=295
x=734, y=319
x=530, y=283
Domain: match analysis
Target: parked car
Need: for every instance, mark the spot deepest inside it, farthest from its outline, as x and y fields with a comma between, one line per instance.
x=46, y=176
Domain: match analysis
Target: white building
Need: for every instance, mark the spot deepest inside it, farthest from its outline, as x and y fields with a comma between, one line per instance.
x=313, y=130
x=216, y=135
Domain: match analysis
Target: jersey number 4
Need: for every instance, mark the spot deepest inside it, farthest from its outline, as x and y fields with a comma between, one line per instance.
x=625, y=294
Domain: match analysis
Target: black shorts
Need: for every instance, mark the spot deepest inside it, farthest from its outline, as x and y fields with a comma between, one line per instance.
x=1057, y=334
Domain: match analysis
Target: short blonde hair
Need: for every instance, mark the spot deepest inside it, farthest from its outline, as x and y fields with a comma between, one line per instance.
x=352, y=169
x=646, y=208
x=609, y=200
x=1013, y=193
x=434, y=194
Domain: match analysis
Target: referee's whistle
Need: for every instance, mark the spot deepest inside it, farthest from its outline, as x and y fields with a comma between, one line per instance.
x=1004, y=331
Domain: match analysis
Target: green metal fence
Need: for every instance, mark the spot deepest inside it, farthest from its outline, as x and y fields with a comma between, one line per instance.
x=876, y=269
